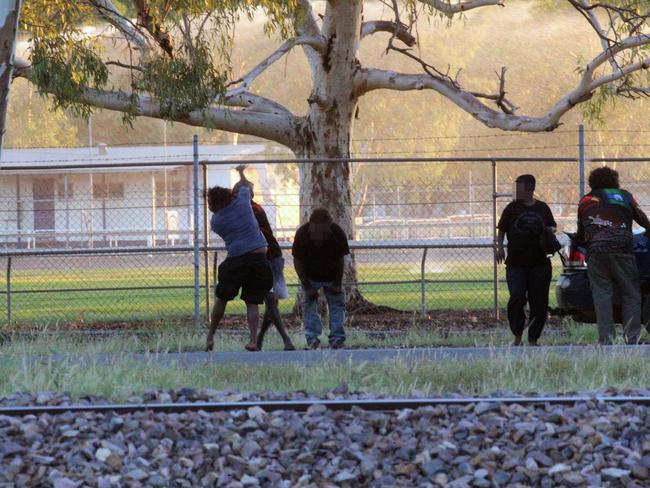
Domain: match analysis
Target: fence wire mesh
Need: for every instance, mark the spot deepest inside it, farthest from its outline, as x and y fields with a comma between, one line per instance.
x=99, y=245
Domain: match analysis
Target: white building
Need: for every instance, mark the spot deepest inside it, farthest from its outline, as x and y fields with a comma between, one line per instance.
x=110, y=201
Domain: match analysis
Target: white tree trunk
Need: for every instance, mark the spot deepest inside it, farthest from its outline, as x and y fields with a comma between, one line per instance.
x=327, y=130
x=9, y=12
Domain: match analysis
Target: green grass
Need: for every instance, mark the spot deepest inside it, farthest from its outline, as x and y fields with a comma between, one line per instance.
x=190, y=339
x=549, y=372
x=171, y=304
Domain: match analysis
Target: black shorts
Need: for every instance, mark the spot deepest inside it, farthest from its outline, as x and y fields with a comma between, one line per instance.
x=250, y=272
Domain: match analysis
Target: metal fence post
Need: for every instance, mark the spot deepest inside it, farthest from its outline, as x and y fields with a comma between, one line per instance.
x=9, y=290
x=206, y=241
x=422, y=282
x=197, y=269
x=581, y=145
x=495, y=268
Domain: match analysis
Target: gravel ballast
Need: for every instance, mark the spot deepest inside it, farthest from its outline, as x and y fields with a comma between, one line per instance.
x=484, y=444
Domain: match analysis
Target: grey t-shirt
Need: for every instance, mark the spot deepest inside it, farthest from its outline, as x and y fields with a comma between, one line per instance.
x=237, y=226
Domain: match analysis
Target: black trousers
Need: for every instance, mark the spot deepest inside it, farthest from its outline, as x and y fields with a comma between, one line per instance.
x=528, y=284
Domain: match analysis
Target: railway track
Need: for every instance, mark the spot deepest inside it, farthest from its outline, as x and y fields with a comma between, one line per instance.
x=375, y=405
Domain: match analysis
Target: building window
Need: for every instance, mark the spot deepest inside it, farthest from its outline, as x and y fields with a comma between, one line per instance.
x=60, y=190
x=99, y=191
x=175, y=194
x=116, y=191
x=112, y=191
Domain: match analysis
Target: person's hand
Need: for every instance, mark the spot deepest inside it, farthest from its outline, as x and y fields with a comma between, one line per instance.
x=336, y=288
x=241, y=168
x=500, y=255
x=209, y=344
x=312, y=293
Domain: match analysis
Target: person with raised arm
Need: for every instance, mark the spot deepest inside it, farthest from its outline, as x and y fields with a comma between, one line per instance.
x=279, y=291
x=246, y=266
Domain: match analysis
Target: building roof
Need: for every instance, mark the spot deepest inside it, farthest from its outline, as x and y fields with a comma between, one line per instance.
x=114, y=158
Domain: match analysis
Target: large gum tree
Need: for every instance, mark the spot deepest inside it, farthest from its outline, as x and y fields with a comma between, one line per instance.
x=9, y=12
x=170, y=59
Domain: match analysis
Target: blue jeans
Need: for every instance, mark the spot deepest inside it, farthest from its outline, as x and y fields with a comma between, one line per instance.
x=336, y=308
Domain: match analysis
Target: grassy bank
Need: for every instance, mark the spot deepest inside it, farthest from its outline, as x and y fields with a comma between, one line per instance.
x=190, y=339
x=548, y=372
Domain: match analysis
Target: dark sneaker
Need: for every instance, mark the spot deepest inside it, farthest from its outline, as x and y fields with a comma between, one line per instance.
x=313, y=344
x=337, y=345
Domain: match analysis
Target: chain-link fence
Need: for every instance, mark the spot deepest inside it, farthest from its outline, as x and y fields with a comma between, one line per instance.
x=116, y=241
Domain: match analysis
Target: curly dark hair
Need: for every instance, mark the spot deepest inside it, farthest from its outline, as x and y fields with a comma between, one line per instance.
x=602, y=178
x=218, y=198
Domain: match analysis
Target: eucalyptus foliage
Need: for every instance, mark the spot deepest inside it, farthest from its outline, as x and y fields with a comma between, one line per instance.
x=67, y=61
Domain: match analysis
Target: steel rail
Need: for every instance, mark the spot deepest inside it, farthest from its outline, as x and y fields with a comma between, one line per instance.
x=356, y=245
x=12, y=166
x=618, y=160
x=375, y=405
x=202, y=286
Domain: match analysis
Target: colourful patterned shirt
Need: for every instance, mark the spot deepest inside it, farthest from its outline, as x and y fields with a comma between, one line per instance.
x=605, y=219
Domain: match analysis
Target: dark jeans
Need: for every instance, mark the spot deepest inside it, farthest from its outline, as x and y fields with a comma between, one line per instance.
x=528, y=284
x=605, y=272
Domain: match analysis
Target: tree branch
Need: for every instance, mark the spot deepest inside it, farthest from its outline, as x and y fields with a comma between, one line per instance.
x=590, y=15
x=305, y=22
x=318, y=44
x=609, y=54
x=625, y=70
x=633, y=92
x=399, y=31
x=374, y=79
x=305, y=25
x=107, y=10
x=500, y=99
x=449, y=9
x=271, y=126
x=153, y=27
x=255, y=103
x=120, y=64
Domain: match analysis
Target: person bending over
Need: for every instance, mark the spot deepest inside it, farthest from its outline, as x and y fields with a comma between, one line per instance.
x=246, y=266
x=319, y=248
x=271, y=310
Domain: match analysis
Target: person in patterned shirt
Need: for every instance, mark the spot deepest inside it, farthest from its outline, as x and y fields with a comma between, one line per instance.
x=605, y=220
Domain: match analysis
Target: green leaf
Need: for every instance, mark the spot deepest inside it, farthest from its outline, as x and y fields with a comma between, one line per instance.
x=65, y=68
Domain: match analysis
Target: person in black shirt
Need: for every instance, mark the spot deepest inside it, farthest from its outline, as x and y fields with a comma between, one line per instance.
x=319, y=248
x=528, y=268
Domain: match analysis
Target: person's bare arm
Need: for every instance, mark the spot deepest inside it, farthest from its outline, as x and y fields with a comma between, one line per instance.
x=242, y=177
x=500, y=253
x=301, y=271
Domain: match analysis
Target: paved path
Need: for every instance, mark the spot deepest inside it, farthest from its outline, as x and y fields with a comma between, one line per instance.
x=326, y=356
